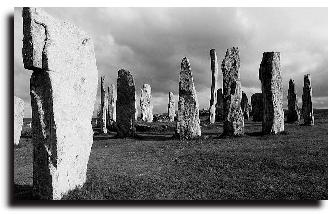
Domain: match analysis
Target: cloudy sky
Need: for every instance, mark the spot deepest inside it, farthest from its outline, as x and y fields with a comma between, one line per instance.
x=150, y=42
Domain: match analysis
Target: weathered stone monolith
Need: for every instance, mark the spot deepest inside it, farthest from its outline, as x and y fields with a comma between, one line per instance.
x=111, y=113
x=307, y=105
x=214, y=74
x=18, y=119
x=219, y=106
x=103, y=106
x=125, y=104
x=233, y=121
x=146, y=103
x=292, y=105
x=188, y=122
x=245, y=106
x=270, y=77
x=257, y=107
x=63, y=88
x=171, y=107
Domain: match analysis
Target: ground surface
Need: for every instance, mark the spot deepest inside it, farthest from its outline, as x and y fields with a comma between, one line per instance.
x=293, y=165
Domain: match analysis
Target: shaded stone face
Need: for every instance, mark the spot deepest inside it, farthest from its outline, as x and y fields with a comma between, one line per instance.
x=125, y=104
x=18, y=119
x=245, y=106
x=111, y=113
x=146, y=103
x=292, y=104
x=63, y=88
x=188, y=122
x=233, y=121
x=214, y=74
x=270, y=77
x=219, y=105
x=307, y=105
x=104, y=106
x=171, y=107
x=257, y=107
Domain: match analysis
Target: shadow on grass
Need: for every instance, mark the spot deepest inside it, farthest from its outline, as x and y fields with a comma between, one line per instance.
x=149, y=137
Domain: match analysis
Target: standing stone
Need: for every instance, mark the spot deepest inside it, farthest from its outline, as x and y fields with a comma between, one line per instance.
x=136, y=108
x=214, y=72
x=245, y=106
x=270, y=76
x=188, y=122
x=171, y=107
x=111, y=113
x=307, y=105
x=63, y=87
x=257, y=107
x=146, y=103
x=125, y=104
x=219, y=106
x=18, y=119
x=233, y=121
x=293, y=109
x=103, y=106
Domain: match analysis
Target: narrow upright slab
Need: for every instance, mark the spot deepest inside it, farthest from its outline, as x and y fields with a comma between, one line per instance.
x=214, y=74
x=63, y=88
x=292, y=104
x=233, y=121
x=245, y=106
x=257, y=107
x=111, y=113
x=146, y=103
x=270, y=77
x=103, y=106
x=125, y=104
x=171, y=107
x=18, y=119
x=219, y=105
x=188, y=122
x=307, y=104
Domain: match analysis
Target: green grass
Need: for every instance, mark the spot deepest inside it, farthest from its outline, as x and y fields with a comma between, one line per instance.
x=292, y=166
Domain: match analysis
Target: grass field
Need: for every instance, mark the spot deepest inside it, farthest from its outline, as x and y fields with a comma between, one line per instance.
x=292, y=165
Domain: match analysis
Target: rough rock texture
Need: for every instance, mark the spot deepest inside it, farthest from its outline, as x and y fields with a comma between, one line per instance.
x=136, y=108
x=111, y=113
x=63, y=88
x=171, y=107
x=18, y=119
x=307, y=105
x=125, y=104
x=257, y=107
x=219, y=106
x=245, y=106
x=103, y=106
x=146, y=103
x=292, y=105
x=188, y=122
x=270, y=76
x=214, y=74
x=233, y=121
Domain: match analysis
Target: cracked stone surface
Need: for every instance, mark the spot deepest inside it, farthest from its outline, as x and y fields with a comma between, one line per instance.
x=125, y=104
x=188, y=122
x=171, y=107
x=307, y=104
x=214, y=74
x=292, y=103
x=18, y=118
x=272, y=90
x=63, y=89
x=233, y=120
x=146, y=103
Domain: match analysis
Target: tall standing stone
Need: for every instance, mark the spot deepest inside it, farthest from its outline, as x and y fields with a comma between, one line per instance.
x=18, y=119
x=219, y=105
x=171, y=107
x=307, y=105
x=188, y=122
x=103, y=106
x=245, y=106
x=146, y=103
x=270, y=77
x=111, y=113
x=125, y=104
x=214, y=74
x=63, y=88
x=233, y=121
x=293, y=109
x=257, y=107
